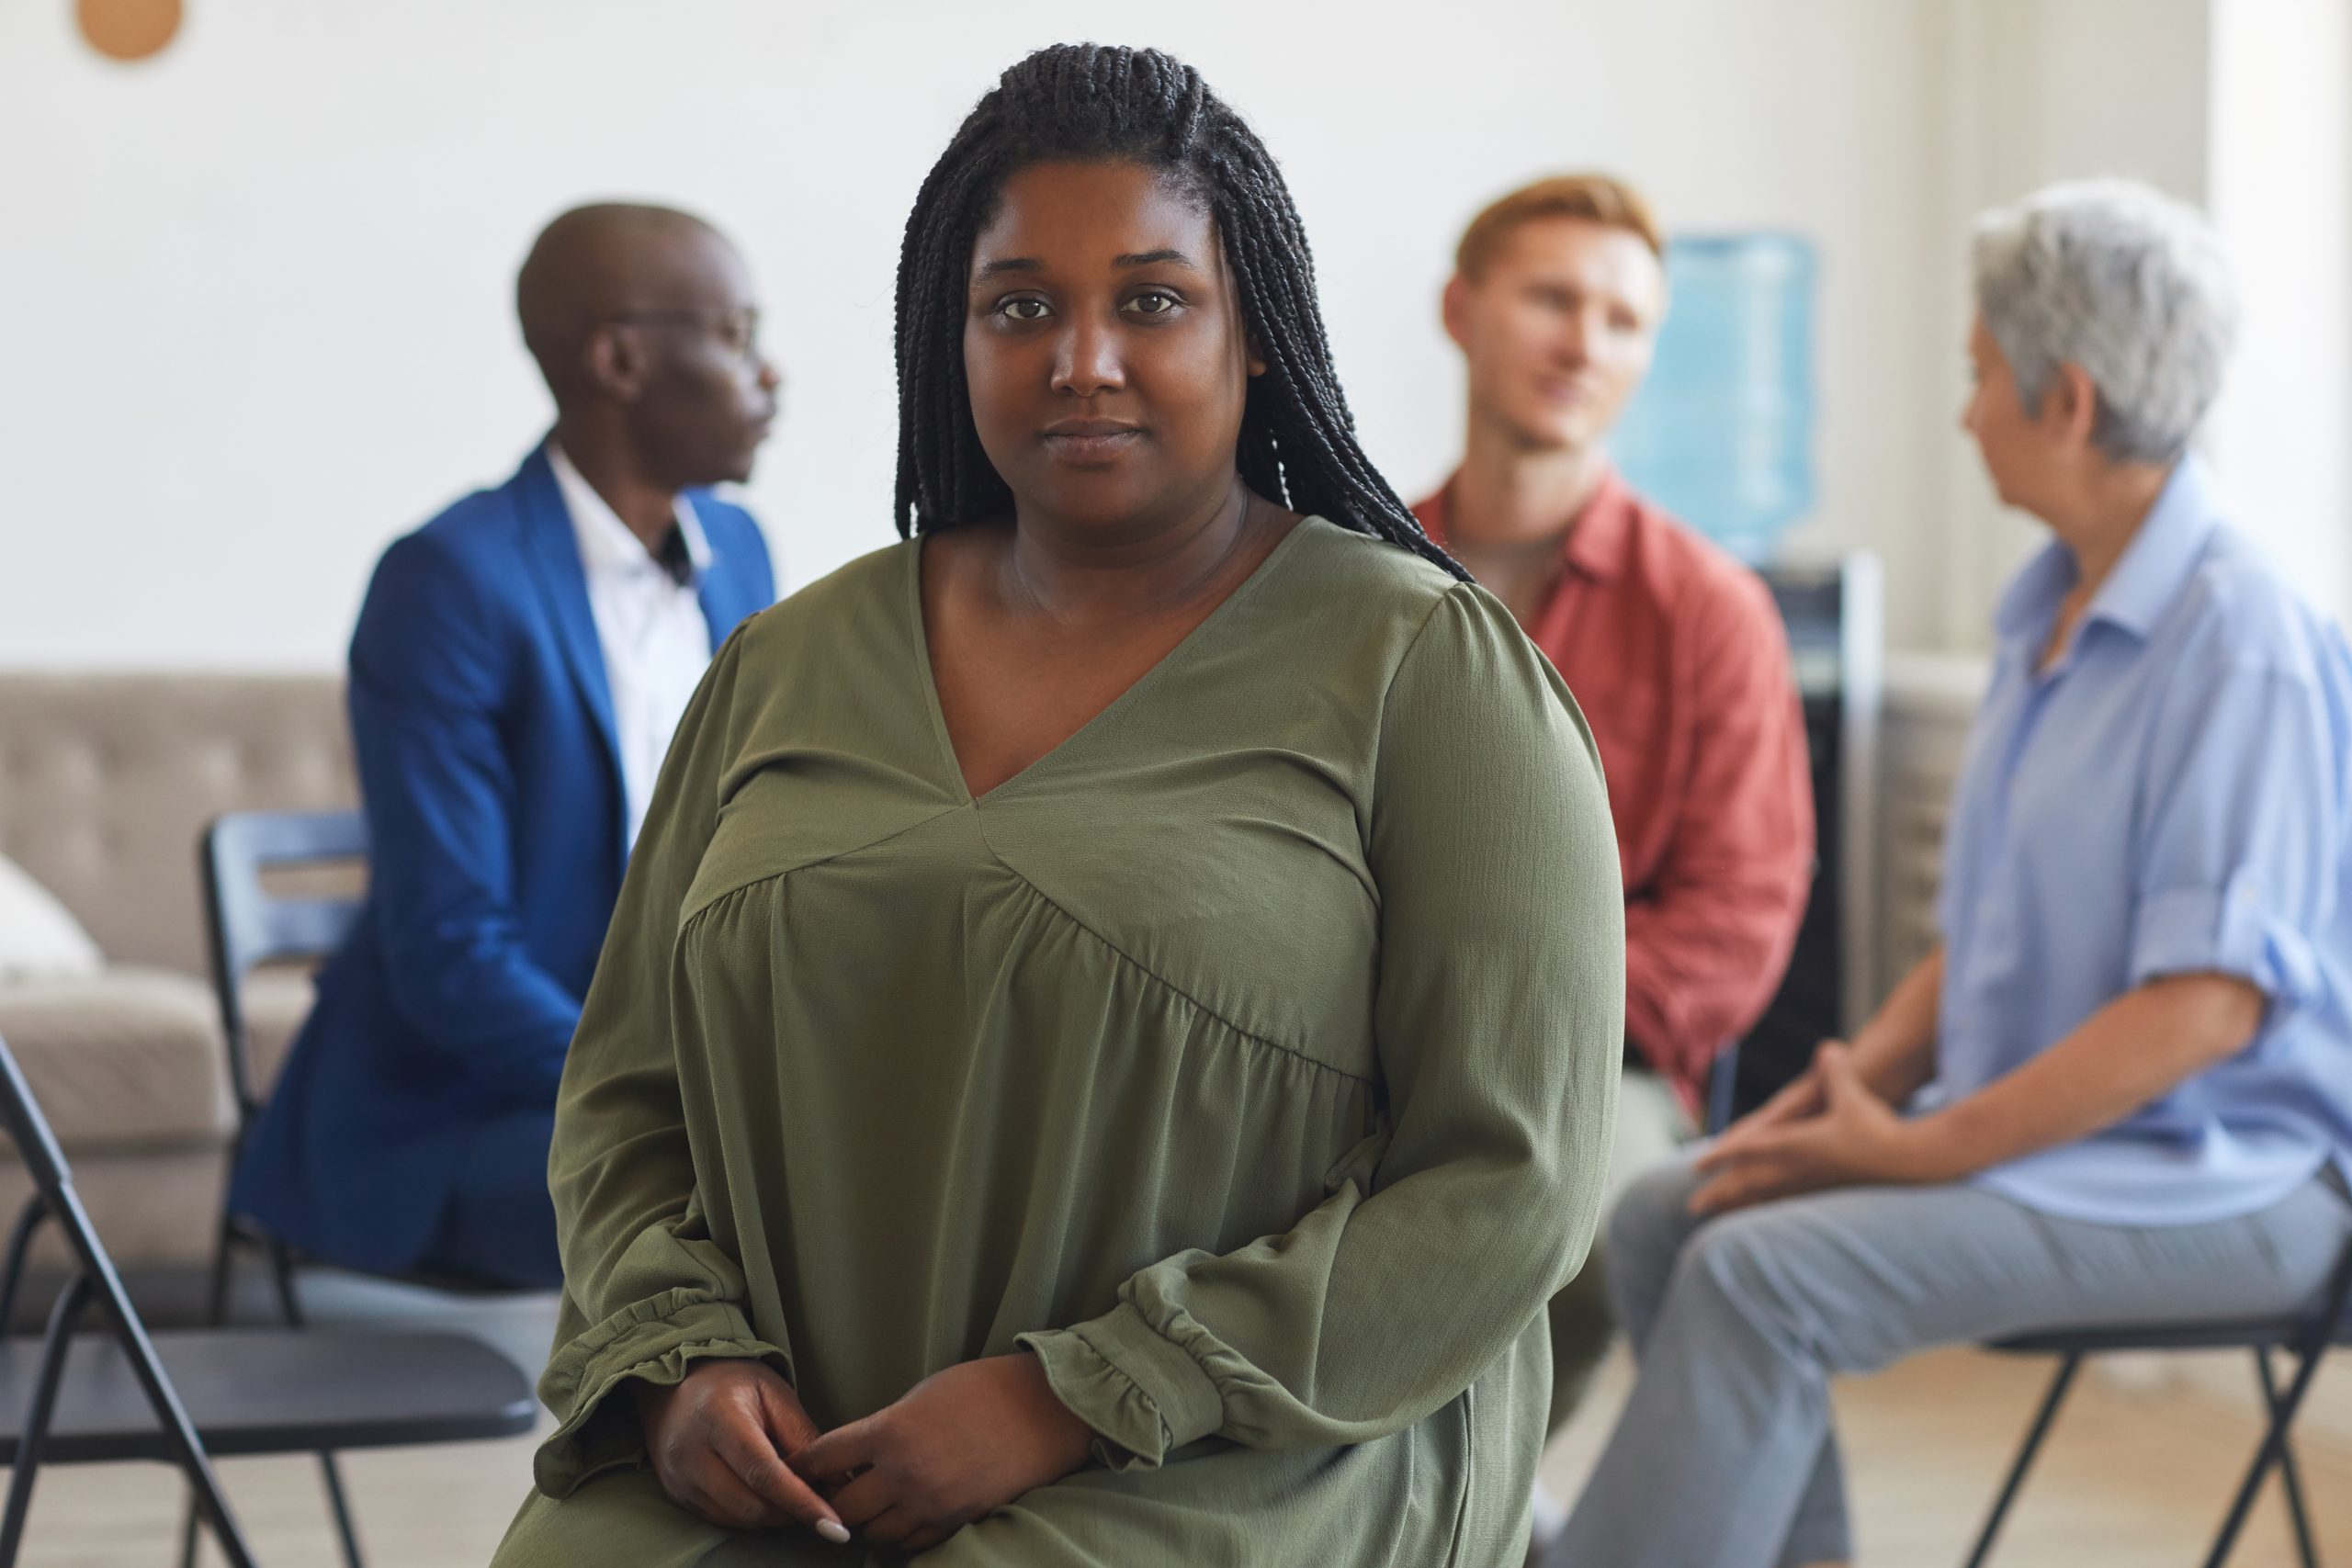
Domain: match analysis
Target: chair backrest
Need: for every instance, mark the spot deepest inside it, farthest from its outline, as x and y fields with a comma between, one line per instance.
x=28, y=1129
x=1834, y=618
x=248, y=925
x=53, y=1187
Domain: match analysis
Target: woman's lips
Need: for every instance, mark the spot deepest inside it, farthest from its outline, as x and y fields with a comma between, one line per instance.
x=1091, y=441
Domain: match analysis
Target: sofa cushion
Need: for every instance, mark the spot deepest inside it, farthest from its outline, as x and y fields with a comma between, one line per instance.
x=129, y=1058
x=40, y=938
x=107, y=781
x=153, y=1209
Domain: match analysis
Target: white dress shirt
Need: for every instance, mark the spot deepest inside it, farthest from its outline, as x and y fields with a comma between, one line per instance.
x=655, y=641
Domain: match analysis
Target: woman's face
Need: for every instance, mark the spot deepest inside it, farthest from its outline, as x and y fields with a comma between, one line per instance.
x=2022, y=449
x=1104, y=348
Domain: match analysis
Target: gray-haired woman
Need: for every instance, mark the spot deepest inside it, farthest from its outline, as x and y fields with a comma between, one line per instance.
x=2127, y=1067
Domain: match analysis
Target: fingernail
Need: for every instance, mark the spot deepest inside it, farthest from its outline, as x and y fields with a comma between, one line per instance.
x=832, y=1530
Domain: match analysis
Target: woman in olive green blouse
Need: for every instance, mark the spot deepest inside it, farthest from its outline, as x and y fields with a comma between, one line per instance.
x=1107, y=1043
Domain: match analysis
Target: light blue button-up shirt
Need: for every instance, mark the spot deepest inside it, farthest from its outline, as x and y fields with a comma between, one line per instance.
x=2173, y=795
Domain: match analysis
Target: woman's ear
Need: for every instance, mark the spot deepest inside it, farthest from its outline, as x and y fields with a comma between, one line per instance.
x=2073, y=399
x=1254, y=354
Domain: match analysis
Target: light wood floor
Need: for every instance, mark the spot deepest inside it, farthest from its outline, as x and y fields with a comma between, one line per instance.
x=2130, y=1476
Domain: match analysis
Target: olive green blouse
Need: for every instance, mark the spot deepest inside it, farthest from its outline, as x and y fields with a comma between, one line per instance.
x=1250, y=1058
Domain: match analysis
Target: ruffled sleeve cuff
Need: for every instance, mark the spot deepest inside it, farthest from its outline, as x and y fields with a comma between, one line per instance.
x=2232, y=930
x=651, y=1341
x=1144, y=1396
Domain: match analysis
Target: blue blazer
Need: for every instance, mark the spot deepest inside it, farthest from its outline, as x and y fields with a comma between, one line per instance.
x=483, y=732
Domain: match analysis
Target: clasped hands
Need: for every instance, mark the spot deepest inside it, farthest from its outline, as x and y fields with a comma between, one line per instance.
x=731, y=1443
x=1826, y=1129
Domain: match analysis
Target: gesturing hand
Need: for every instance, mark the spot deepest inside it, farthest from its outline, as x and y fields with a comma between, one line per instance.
x=1828, y=1129
x=718, y=1440
x=959, y=1443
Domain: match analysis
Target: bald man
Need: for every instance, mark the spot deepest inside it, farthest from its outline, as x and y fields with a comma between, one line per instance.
x=519, y=665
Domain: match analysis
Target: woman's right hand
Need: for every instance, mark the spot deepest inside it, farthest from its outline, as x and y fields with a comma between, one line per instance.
x=719, y=1439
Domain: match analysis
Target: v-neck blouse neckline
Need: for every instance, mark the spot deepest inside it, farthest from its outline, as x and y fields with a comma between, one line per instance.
x=920, y=631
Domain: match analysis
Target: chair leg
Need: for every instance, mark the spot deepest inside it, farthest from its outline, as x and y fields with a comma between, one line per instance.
x=216, y=1294
x=2274, y=1443
x=2290, y=1476
x=2040, y=1429
x=20, y=1246
x=56, y=1344
x=2311, y=1349
x=289, y=1302
x=337, y=1504
x=179, y=1430
x=281, y=1269
x=216, y=1314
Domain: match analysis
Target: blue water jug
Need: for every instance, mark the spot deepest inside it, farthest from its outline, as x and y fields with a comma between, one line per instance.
x=1721, y=434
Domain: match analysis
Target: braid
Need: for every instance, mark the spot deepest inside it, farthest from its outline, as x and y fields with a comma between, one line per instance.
x=1298, y=442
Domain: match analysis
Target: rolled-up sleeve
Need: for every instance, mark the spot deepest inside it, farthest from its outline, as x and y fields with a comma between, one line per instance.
x=2239, y=836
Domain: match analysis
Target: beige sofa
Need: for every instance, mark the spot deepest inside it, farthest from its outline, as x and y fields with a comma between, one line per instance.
x=105, y=782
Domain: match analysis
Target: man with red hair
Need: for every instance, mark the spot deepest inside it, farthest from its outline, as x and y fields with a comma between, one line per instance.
x=1673, y=649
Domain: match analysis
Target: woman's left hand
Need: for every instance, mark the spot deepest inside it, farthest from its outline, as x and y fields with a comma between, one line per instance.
x=1855, y=1139
x=959, y=1443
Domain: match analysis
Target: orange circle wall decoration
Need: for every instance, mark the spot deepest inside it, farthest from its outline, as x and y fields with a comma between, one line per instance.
x=127, y=30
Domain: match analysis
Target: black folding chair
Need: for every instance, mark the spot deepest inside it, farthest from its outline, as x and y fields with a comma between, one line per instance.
x=1723, y=1090
x=249, y=926
x=245, y=927
x=2305, y=1341
x=182, y=1397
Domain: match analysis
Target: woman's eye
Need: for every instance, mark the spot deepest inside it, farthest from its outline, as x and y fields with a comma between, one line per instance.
x=1023, y=310
x=1154, y=303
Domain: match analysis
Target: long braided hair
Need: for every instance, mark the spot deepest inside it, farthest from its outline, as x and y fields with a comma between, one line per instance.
x=1089, y=102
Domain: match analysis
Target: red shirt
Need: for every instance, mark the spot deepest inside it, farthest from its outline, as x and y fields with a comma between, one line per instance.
x=1676, y=655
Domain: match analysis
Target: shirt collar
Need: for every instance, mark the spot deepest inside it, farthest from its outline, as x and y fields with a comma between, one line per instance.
x=2155, y=565
x=606, y=544
x=1599, y=538
x=1603, y=535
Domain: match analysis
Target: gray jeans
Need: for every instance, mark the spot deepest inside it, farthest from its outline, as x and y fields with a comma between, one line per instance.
x=1724, y=1456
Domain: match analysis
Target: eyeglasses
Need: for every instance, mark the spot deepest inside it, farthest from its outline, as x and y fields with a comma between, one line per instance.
x=738, y=331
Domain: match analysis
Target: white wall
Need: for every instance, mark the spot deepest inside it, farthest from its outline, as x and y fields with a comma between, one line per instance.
x=254, y=295
x=2243, y=106
x=2281, y=160
x=257, y=288
x=2026, y=91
